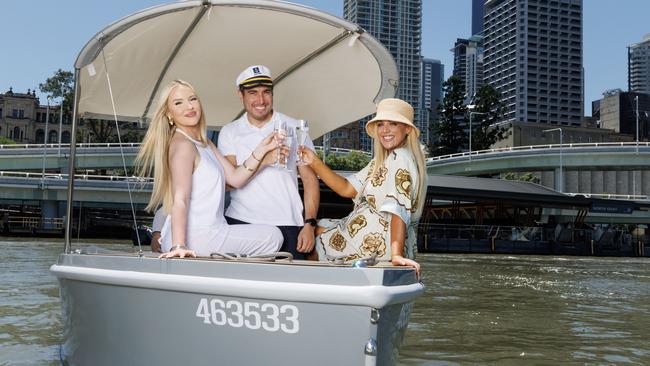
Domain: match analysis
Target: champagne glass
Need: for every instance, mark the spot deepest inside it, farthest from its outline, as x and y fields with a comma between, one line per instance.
x=302, y=133
x=280, y=131
x=288, y=142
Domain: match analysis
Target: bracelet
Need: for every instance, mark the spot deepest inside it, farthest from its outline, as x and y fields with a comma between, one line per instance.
x=178, y=246
x=247, y=168
x=255, y=157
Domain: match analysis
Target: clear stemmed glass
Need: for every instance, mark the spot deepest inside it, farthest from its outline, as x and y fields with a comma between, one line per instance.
x=288, y=141
x=302, y=132
x=280, y=131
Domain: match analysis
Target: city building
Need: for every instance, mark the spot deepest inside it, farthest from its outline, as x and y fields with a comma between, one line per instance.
x=474, y=65
x=528, y=134
x=533, y=56
x=460, y=59
x=433, y=73
x=478, y=11
x=23, y=119
x=468, y=64
x=618, y=112
x=638, y=64
x=397, y=25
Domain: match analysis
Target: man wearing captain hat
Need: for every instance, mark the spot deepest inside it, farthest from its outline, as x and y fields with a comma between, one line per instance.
x=271, y=196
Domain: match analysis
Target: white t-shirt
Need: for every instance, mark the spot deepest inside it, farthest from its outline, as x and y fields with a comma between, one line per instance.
x=271, y=196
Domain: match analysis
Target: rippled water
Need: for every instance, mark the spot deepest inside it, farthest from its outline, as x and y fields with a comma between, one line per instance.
x=514, y=310
x=477, y=309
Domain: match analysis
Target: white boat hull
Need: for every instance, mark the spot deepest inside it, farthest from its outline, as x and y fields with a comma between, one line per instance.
x=125, y=310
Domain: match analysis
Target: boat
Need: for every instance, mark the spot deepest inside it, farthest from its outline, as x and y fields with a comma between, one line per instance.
x=132, y=308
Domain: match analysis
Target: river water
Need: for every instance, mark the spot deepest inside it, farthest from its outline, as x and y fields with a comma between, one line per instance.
x=477, y=309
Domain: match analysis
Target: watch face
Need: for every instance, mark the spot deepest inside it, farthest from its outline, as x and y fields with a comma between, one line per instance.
x=311, y=221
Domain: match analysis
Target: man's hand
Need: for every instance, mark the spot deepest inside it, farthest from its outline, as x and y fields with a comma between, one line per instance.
x=306, y=239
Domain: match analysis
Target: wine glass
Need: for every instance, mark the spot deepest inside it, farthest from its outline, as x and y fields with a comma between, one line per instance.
x=280, y=131
x=288, y=141
x=302, y=133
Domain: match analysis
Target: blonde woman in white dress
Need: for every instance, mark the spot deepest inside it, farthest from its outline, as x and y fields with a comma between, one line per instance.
x=190, y=176
x=388, y=193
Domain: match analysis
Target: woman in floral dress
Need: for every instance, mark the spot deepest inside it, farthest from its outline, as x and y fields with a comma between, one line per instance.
x=388, y=193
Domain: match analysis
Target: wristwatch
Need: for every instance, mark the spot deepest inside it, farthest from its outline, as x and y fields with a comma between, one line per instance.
x=311, y=221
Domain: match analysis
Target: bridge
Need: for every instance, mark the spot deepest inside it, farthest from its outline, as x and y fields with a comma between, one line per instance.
x=606, y=170
x=619, y=168
x=32, y=157
x=108, y=191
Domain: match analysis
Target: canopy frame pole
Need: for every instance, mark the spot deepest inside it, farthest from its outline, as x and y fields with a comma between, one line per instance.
x=71, y=165
x=205, y=6
x=336, y=40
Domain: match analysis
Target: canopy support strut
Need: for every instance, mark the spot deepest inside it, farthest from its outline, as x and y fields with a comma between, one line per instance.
x=206, y=5
x=308, y=58
x=71, y=165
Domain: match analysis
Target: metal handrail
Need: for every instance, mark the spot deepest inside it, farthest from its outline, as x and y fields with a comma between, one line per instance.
x=129, y=144
x=635, y=197
x=541, y=147
x=57, y=176
x=66, y=146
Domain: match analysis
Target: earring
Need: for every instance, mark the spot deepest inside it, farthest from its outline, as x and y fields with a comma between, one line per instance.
x=171, y=120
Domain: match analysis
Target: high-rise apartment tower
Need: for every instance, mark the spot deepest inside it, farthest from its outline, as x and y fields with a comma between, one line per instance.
x=533, y=56
x=433, y=73
x=398, y=25
x=478, y=11
x=638, y=73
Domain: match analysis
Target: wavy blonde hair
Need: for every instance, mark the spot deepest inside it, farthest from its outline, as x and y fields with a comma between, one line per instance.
x=412, y=143
x=153, y=157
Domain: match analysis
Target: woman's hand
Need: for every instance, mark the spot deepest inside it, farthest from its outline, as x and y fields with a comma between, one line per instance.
x=181, y=253
x=269, y=143
x=278, y=153
x=308, y=156
x=398, y=260
x=269, y=149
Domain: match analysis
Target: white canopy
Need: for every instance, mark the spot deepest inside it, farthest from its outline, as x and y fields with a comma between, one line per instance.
x=325, y=69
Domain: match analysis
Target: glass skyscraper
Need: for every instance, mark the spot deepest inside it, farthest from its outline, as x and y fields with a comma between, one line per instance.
x=398, y=25
x=639, y=66
x=478, y=11
x=433, y=73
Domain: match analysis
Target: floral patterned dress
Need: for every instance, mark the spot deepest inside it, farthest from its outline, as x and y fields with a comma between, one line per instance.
x=366, y=230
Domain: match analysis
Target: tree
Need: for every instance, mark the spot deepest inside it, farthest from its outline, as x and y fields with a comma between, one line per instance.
x=97, y=130
x=60, y=85
x=485, y=132
x=354, y=161
x=448, y=135
x=525, y=177
x=6, y=141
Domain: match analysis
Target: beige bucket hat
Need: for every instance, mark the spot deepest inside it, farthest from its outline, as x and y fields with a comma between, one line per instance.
x=394, y=110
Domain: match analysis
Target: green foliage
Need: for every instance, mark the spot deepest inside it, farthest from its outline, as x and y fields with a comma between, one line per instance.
x=60, y=85
x=448, y=136
x=98, y=131
x=484, y=131
x=354, y=161
x=525, y=177
x=6, y=141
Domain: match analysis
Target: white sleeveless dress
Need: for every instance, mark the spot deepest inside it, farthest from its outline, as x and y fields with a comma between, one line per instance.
x=207, y=229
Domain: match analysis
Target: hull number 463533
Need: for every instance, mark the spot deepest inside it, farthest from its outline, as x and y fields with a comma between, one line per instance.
x=252, y=315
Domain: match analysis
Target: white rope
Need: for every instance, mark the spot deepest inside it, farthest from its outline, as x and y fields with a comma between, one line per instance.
x=271, y=257
x=119, y=139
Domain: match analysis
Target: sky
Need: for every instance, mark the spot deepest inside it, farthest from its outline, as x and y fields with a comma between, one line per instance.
x=40, y=37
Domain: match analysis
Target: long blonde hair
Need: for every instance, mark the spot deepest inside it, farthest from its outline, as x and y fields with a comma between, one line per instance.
x=153, y=157
x=412, y=144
